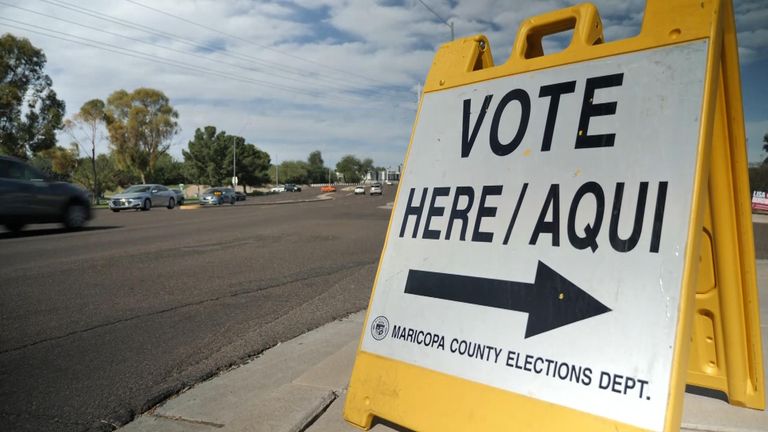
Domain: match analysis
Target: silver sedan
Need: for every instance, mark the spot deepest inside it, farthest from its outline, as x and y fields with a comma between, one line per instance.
x=143, y=197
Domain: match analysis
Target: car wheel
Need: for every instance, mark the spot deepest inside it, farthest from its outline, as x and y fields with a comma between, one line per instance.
x=147, y=205
x=171, y=203
x=115, y=210
x=234, y=200
x=75, y=216
x=14, y=226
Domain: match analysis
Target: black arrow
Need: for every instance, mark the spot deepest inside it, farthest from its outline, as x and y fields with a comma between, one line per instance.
x=551, y=301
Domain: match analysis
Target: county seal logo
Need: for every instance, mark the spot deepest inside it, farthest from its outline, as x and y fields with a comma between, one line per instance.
x=380, y=328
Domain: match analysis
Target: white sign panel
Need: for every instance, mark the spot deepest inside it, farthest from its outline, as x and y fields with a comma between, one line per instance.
x=537, y=243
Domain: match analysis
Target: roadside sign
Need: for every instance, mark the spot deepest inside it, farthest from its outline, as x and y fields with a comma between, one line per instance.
x=760, y=201
x=540, y=263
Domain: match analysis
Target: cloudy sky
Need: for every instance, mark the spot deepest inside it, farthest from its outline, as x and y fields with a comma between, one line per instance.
x=339, y=76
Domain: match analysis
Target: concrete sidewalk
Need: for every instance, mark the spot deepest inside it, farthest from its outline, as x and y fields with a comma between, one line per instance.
x=300, y=385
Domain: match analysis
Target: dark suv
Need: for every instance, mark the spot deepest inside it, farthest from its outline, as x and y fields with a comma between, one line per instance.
x=290, y=187
x=27, y=196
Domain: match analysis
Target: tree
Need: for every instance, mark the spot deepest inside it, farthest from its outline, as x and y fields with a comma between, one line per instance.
x=349, y=167
x=141, y=125
x=109, y=177
x=168, y=171
x=85, y=128
x=758, y=177
x=366, y=166
x=294, y=172
x=765, y=148
x=318, y=173
x=252, y=164
x=63, y=161
x=207, y=158
x=30, y=111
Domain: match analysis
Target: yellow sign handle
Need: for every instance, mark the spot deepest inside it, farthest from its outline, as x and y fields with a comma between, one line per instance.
x=583, y=19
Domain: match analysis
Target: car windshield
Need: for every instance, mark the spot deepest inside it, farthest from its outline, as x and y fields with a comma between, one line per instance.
x=210, y=191
x=138, y=188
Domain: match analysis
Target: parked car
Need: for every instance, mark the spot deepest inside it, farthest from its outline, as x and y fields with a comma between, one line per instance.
x=143, y=197
x=328, y=188
x=218, y=196
x=376, y=189
x=277, y=189
x=179, y=196
x=290, y=187
x=28, y=197
x=239, y=196
x=359, y=190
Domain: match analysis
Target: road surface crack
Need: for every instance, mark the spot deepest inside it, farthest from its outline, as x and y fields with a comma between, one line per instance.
x=187, y=420
x=279, y=284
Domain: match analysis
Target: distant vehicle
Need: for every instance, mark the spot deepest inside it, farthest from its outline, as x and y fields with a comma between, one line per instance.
x=28, y=197
x=239, y=196
x=359, y=190
x=375, y=189
x=290, y=187
x=328, y=188
x=143, y=197
x=179, y=196
x=277, y=189
x=218, y=196
x=388, y=182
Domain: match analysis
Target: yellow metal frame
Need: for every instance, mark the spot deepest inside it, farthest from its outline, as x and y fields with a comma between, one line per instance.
x=422, y=399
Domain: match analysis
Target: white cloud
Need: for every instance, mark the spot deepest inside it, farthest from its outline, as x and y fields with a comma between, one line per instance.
x=358, y=60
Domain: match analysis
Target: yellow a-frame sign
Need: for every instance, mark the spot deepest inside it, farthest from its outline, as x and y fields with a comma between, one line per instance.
x=571, y=241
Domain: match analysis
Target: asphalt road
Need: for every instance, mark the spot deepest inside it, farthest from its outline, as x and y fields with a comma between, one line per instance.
x=101, y=324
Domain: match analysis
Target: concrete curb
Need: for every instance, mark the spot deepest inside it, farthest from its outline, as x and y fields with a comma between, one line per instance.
x=286, y=389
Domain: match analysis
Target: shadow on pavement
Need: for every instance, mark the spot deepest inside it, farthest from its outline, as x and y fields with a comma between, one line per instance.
x=50, y=231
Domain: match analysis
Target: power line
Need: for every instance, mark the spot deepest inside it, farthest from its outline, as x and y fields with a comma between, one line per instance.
x=365, y=79
x=182, y=65
x=445, y=21
x=272, y=65
x=152, y=44
x=188, y=42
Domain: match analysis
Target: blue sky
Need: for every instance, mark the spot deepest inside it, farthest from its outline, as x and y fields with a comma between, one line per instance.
x=293, y=76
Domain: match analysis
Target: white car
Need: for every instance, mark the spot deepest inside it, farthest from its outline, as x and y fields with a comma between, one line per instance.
x=376, y=189
x=277, y=189
x=359, y=190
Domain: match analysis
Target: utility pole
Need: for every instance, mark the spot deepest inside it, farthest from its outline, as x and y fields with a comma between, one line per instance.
x=445, y=21
x=234, y=163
